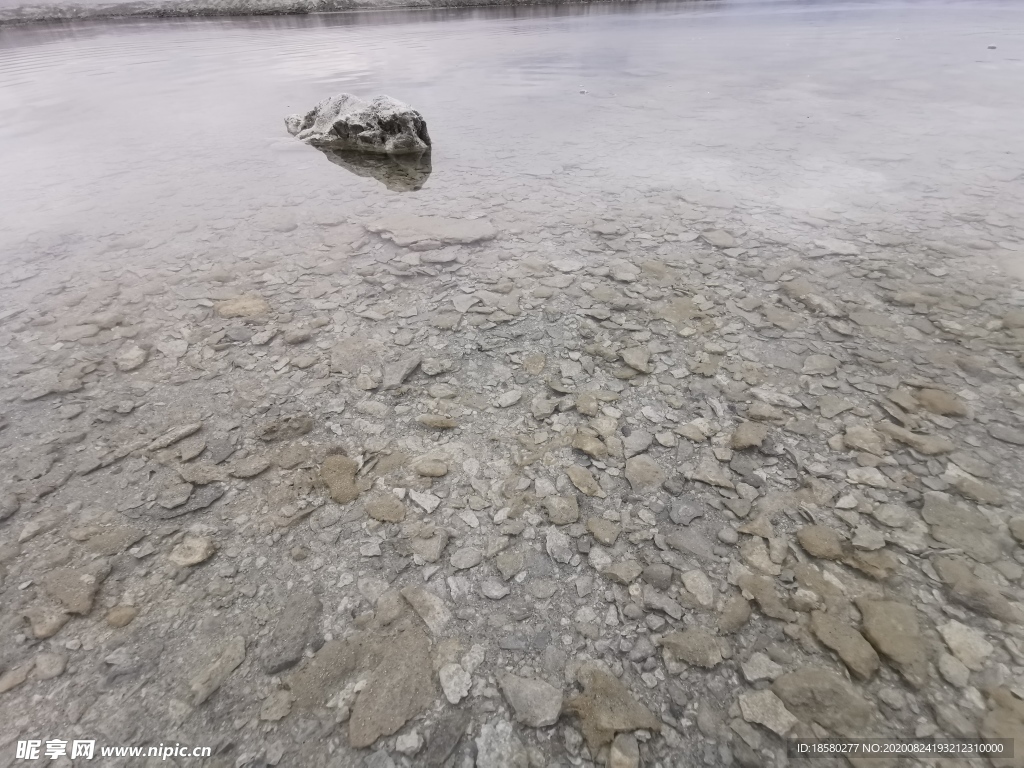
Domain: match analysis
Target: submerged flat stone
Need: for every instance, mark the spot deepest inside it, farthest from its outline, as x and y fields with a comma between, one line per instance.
x=408, y=230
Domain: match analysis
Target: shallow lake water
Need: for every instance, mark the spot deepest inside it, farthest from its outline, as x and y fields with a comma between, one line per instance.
x=141, y=129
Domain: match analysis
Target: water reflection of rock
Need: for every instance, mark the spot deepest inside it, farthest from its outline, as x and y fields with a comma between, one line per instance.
x=399, y=173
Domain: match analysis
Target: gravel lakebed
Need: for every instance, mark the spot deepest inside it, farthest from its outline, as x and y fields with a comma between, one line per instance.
x=661, y=484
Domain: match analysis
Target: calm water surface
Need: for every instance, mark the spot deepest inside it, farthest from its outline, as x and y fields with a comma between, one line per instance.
x=165, y=139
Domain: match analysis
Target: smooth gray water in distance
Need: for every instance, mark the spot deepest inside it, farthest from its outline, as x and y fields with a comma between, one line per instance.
x=167, y=135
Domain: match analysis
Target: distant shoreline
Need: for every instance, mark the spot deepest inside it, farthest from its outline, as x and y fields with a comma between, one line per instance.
x=41, y=13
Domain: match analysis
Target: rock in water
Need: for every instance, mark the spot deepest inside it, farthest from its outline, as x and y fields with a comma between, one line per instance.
x=384, y=126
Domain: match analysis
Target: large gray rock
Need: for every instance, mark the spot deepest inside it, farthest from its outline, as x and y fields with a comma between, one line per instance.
x=346, y=122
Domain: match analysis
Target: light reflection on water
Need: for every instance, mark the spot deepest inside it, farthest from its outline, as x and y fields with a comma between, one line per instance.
x=109, y=128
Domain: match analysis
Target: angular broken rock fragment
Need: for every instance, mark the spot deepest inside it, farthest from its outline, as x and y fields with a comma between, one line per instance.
x=625, y=572
x=973, y=489
x=455, y=682
x=961, y=526
x=292, y=632
x=973, y=593
x=465, y=558
x=638, y=358
x=820, y=541
x=865, y=439
x=819, y=365
x=685, y=512
x=174, y=435
x=698, y=585
x=287, y=427
x=497, y=746
x=45, y=620
x=207, y=681
x=276, y=706
x=192, y=550
x=762, y=590
x=249, y=467
x=196, y=473
x=604, y=531
x=942, y=403
x=637, y=441
x=606, y=707
x=75, y=588
x=429, y=548
x=199, y=499
x=870, y=476
x=429, y=607
x=509, y=398
x=1007, y=434
x=765, y=708
x=879, y=565
x=444, y=738
x=541, y=407
x=719, y=238
x=748, y=434
x=397, y=372
x=431, y=232
x=562, y=510
x=659, y=601
x=175, y=495
x=12, y=678
x=967, y=644
x=558, y=546
x=713, y=473
x=244, y=307
x=428, y=502
x=893, y=629
x=760, y=667
x=590, y=445
x=536, y=703
x=818, y=695
x=847, y=642
x=755, y=553
x=509, y=563
x=584, y=481
x=130, y=358
x=644, y=474
x=929, y=445
x=693, y=646
x=690, y=542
